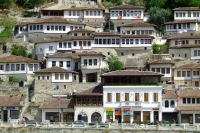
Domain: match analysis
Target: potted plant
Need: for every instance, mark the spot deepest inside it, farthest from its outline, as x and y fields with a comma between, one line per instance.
x=141, y=123
x=163, y=122
x=148, y=121
x=134, y=122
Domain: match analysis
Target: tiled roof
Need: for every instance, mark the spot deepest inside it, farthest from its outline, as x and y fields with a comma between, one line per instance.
x=187, y=9
x=97, y=90
x=91, y=53
x=169, y=94
x=84, y=8
x=185, y=46
x=23, y=23
x=137, y=36
x=58, y=20
x=11, y=101
x=82, y=38
x=181, y=21
x=184, y=37
x=160, y=62
x=65, y=55
x=55, y=40
x=182, y=93
x=48, y=5
x=16, y=59
x=192, y=65
x=126, y=7
x=93, y=24
x=102, y=34
x=81, y=30
x=139, y=24
x=131, y=73
x=54, y=69
x=189, y=107
x=54, y=103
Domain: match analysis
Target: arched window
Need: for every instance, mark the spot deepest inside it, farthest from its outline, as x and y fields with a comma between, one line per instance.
x=172, y=104
x=166, y=104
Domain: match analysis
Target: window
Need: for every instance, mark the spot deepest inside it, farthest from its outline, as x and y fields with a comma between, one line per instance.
x=60, y=63
x=56, y=76
x=155, y=95
x=123, y=41
x=61, y=76
x=198, y=100
x=17, y=67
x=178, y=73
x=172, y=104
x=66, y=76
x=12, y=67
x=188, y=25
x=193, y=100
x=47, y=77
x=188, y=73
x=38, y=77
x=189, y=14
x=50, y=48
x=52, y=27
x=109, y=97
x=30, y=67
x=60, y=44
x=146, y=97
x=188, y=100
x=31, y=27
x=183, y=74
x=168, y=71
x=34, y=27
x=137, y=98
x=117, y=97
x=42, y=77
x=166, y=104
x=163, y=70
x=126, y=96
x=68, y=63
x=95, y=62
x=184, y=100
x=22, y=67
x=63, y=28
x=122, y=54
x=41, y=27
x=90, y=62
x=53, y=63
x=1, y=67
x=85, y=62
x=60, y=28
x=14, y=114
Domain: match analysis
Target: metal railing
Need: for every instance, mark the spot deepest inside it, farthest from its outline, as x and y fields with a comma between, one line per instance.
x=125, y=126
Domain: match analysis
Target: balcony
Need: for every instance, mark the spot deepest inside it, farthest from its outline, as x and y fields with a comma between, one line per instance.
x=131, y=103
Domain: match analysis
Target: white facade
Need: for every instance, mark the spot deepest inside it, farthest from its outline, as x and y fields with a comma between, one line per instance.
x=165, y=69
x=195, y=53
x=186, y=15
x=169, y=105
x=181, y=27
x=141, y=105
x=127, y=14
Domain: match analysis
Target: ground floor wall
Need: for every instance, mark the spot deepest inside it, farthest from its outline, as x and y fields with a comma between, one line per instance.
x=189, y=117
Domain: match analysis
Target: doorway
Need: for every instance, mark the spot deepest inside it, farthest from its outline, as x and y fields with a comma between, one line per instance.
x=196, y=83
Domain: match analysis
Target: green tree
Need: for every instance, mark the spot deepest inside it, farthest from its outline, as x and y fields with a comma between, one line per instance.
x=158, y=16
x=157, y=49
x=5, y=4
x=153, y=3
x=19, y=50
x=132, y=2
x=114, y=63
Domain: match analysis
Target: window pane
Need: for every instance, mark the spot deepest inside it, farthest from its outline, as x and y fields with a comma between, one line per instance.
x=30, y=67
x=56, y=76
x=137, y=97
x=22, y=67
x=61, y=76
x=117, y=97
x=95, y=62
x=155, y=97
x=126, y=96
x=146, y=97
x=109, y=97
x=66, y=76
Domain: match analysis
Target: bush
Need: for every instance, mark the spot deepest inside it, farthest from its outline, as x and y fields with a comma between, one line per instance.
x=107, y=4
x=30, y=14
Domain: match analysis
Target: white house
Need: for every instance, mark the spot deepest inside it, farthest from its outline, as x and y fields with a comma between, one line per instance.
x=50, y=27
x=162, y=66
x=128, y=98
x=19, y=67
x=186, y=13
x=125, y=14
x=169, y=104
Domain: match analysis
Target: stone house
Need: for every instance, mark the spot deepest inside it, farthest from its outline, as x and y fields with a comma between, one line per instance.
x=19, y=67
x=13, y=107
x=187, y=75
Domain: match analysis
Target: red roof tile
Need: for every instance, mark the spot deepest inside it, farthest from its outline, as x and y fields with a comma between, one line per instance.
x=139, y=24
x=131, y=73
x=160, y=62
x=187, y=9
x=81, y=30
x=57, y=20
x=55, y=40
x=184, y=37
x=91, y=53
x=192, y=65
x=54, y=104
x=182, y=93
x=126, y=7
x=137, y=36
x=11, y=101
x=181, y=21
x=185, y=46
x=54, y=69
x=189, y=107
x=82, y=38
x=17, y=59
x=65, y=55
x=105, y=34
x=97, y=90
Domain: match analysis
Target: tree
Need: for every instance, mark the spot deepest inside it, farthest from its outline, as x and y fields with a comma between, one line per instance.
x=157, y=49
x=154, y=3
x=5, y=4
x=19, y=50
x=158, y=16
x=114, y=63
x=132, y=2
